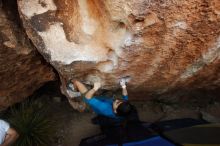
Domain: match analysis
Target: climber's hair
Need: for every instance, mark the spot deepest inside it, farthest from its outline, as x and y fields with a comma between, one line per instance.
x=124, y=109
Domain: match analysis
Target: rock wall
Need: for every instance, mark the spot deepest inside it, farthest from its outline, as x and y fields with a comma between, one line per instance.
x=22, y=68
x=163, y=45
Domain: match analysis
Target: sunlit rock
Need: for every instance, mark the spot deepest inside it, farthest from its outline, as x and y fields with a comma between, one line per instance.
x=161, y=45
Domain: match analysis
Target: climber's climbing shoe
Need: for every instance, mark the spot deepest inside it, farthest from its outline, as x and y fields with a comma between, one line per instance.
x=70, y=86
x=72, y=91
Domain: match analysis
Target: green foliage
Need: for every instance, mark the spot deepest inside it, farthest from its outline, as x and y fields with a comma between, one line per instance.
x=32, y=122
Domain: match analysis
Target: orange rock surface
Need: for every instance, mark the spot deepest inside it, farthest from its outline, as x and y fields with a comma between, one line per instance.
x=162, y=45
x=22, y=68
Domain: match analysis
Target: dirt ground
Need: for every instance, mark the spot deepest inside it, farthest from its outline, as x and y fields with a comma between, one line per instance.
x=72, y=126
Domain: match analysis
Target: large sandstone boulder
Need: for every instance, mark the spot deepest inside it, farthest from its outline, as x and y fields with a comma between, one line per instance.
x=163, y=45
x=22, y=68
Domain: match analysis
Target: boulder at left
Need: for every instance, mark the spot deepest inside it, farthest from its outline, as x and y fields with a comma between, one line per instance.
x=22, y=68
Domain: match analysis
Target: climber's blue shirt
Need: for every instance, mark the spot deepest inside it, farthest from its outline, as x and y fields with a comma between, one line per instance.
x=103, y=105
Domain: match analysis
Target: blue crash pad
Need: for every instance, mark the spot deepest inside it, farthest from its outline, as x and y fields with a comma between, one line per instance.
x=154, y=141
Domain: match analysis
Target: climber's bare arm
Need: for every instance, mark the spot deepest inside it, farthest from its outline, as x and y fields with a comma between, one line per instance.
x=123, y=86
x=124, y=91
x=91, y=92
x=10, y=138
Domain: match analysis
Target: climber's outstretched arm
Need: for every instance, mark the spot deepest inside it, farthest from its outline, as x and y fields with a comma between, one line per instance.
x=123, y=86
x=124, y=91
x=91, y=92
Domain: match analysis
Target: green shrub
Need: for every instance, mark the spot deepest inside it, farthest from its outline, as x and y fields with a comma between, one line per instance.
x=32, y=122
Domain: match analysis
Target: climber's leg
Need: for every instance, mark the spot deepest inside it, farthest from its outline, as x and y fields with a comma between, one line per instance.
x=80, y=86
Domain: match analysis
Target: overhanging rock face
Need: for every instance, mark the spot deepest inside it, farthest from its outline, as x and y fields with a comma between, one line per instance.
x=161, y=45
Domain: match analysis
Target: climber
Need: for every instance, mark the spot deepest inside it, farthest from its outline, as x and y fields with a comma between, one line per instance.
x=115, y=109
x=113, y=116
x=7, y=134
